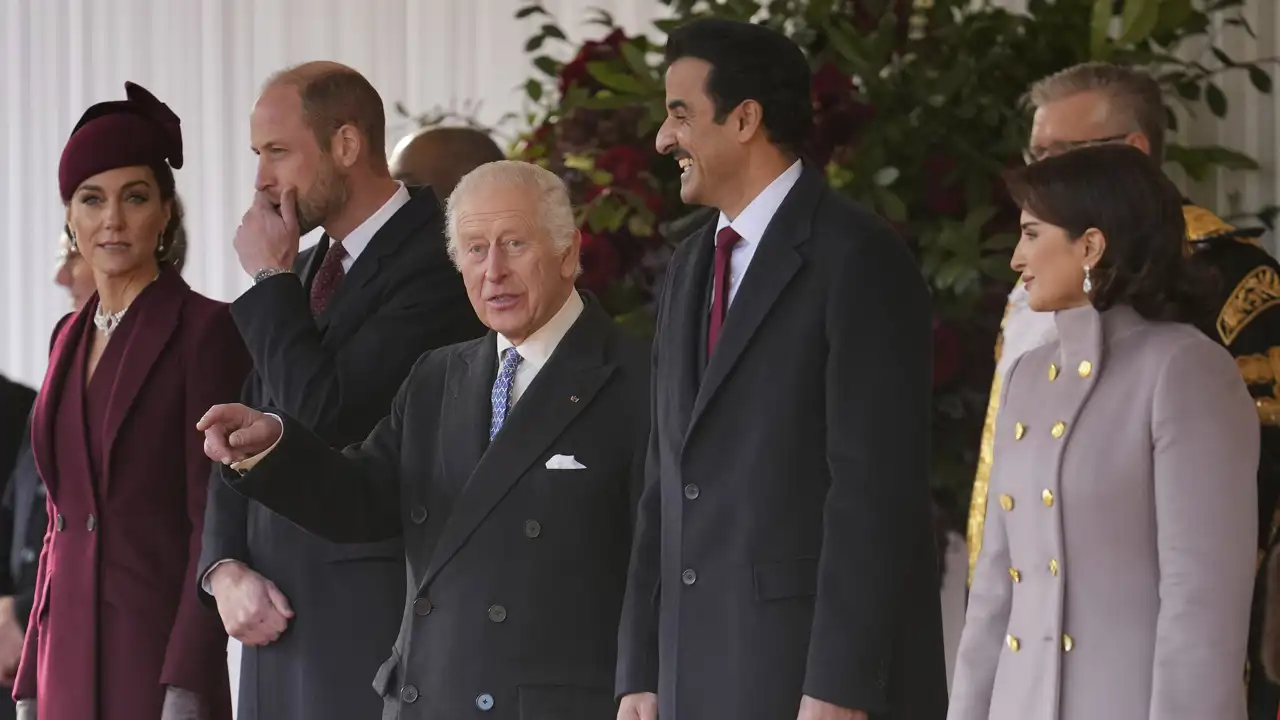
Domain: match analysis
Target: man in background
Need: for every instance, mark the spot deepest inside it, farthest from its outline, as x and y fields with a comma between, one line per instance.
x=333, y=331
x=440, y=157
x=1097, y=103
x=22, y=516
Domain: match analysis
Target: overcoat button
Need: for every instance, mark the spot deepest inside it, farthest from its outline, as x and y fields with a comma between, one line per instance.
x=1053, y=372
x=91, y=523
x=1013, y=643
x=532, y=528
x=692, y=491
x=60, y=522
x=1085, y=368
x=497, y=613
x=422, y=607
x=1006, y=501
x=409, y=694
x=418, y=515
x=1047, y=496
x=689, y=577
x=484, y=702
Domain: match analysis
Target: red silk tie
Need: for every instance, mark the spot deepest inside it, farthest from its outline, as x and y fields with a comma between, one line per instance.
x=725, y=240
x=327, y=278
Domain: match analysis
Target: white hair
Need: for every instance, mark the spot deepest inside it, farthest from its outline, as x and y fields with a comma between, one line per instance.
x=554, y=209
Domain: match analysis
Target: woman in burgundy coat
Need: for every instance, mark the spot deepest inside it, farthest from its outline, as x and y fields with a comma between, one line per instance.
x=116, y=631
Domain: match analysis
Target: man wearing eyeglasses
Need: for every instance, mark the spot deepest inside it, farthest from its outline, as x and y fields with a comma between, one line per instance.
x=1097, y=103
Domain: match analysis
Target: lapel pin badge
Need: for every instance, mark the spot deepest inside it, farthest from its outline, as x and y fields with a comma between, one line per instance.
x=573, y=398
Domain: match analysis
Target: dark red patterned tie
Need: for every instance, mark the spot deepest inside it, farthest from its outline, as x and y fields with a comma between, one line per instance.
x=725, y=240
x=328, y=278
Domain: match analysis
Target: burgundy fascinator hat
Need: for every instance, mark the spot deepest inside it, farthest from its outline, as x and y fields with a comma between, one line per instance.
x=123, y=133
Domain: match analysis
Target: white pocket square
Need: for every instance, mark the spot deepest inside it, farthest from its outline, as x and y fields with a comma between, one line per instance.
x=564, y=462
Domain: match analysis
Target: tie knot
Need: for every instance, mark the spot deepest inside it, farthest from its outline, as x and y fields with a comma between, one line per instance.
x=336, y=252
x=727, y=238
x=511, y=358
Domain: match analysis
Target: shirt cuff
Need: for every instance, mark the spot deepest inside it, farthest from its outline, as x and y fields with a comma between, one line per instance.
x=204, y=581
x=244, y=466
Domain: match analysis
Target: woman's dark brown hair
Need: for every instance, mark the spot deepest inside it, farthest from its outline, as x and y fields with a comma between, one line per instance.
x=1121, y=192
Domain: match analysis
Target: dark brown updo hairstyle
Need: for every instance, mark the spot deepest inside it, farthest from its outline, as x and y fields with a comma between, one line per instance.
x=1120, y=191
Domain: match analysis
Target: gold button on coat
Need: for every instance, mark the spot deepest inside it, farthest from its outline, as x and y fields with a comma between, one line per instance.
x=1017, y=576
x=1067, y=643
x=1047, y=496
x=1085, y=368
x=1006, y=501
x=1053, y=372
x=1058, y=429
x=1014, y=645
x=1053, y=567
x=1019, y=430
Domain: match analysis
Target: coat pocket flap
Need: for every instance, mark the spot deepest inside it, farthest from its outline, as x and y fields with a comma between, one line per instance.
x=566, y=702
x=786, y=578
x=385, y=678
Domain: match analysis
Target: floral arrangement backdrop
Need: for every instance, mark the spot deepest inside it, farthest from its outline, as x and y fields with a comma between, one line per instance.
x=918, y=108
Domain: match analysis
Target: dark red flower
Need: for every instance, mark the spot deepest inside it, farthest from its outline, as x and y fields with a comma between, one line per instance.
x=946, y=354
x=545, y=134
x=836, y=127
x=625, y=163
x=575, y=71
x=830, y=86
x=601, y=265
x=943, y=195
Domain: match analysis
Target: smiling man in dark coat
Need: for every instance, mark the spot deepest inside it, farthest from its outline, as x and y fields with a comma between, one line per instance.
x=785, y=565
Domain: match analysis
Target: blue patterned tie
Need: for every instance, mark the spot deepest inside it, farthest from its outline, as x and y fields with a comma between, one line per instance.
x=500, y=399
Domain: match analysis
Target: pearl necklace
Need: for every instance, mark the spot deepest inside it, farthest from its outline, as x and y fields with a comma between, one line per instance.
x=108, y=322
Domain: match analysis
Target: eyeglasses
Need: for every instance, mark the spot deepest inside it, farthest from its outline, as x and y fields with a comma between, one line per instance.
x=1036, y=154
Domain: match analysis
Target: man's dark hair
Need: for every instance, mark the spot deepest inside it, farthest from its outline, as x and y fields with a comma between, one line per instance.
x=751, y=62
x=334, y=95
x=1120, y=190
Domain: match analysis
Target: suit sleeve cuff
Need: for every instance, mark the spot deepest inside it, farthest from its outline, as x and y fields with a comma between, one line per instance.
x=204, y=581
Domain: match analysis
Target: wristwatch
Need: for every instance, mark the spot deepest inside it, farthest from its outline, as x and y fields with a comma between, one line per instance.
x=265, y=273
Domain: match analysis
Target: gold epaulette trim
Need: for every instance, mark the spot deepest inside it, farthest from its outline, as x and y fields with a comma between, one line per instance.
x=1203, y=225
x=1255, y=292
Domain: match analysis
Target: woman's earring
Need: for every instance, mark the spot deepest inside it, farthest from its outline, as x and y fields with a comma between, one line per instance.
x=160, y=248
x=71, y=242
x=1088, y=284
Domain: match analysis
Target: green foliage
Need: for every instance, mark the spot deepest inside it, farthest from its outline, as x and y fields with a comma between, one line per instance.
x=927, y=110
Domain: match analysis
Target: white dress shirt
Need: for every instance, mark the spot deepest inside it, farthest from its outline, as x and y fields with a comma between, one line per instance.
x=753, y=221
x=537, y=348
x=357, y=240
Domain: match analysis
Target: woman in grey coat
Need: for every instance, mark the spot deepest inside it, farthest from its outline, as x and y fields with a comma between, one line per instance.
x=1117, y=562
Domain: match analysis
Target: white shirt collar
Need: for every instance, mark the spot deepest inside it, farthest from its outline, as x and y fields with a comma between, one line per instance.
x=357, y=240
x=755, y=217
x=537, y=348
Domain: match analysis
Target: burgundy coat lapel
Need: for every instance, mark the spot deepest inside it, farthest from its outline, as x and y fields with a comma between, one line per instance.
x=159, y=306
x=63, y=351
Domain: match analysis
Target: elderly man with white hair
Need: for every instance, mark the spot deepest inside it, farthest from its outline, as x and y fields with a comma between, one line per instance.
x=511, y=464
